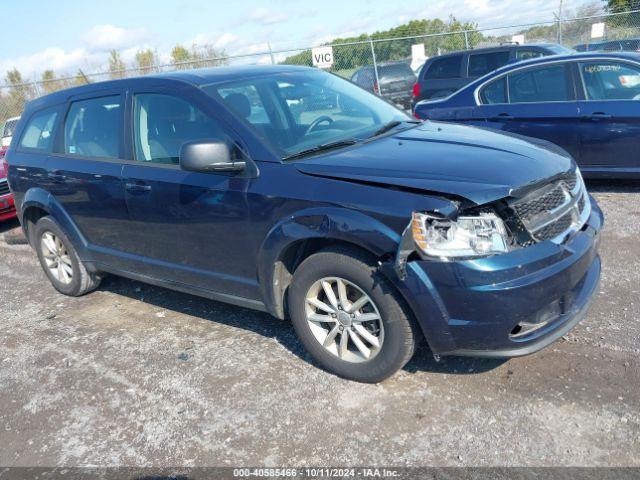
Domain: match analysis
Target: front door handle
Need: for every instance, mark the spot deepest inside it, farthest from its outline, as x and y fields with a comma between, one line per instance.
x=502, y=117
x=137, y=187
x=597, y=116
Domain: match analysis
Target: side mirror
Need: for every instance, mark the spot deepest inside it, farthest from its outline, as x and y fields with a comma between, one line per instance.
x=209, y=156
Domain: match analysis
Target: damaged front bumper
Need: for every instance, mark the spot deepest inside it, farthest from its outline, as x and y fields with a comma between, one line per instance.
x=505, y=305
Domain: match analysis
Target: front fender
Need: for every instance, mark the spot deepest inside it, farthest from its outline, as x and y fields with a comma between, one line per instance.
x=327, y=223
x=40, y=198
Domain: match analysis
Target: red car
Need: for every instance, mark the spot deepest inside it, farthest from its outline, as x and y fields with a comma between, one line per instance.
x=7, y=208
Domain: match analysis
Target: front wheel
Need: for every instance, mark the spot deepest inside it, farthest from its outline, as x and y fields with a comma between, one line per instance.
x=348, y=316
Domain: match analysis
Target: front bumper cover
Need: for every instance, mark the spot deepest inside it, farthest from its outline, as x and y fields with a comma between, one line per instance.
x=471, y=307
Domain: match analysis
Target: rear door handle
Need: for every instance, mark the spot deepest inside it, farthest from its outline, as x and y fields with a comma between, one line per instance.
x=597, y=116
x=137, y=187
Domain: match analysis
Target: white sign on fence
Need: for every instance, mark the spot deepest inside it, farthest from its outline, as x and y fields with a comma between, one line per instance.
x=418, y=56
x=322, y=57
x=597, y=30
x=519, y=39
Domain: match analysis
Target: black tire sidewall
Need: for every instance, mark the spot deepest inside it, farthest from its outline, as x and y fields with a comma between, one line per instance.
x=393, y=354
x=46, y=224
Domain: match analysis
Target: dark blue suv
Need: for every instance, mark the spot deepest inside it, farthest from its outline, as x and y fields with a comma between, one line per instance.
x=367, y=229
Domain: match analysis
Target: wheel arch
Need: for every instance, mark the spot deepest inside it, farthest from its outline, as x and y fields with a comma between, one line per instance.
x=38, y=203
x=300, y=235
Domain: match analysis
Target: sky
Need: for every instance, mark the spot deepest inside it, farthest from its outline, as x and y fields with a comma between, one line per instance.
x=71, y=34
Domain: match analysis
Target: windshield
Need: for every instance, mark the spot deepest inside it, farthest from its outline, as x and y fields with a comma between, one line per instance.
x=299, y=111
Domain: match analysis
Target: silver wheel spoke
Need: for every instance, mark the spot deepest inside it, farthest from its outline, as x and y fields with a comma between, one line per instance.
x=331, y=336
x=342, y=294
x=67, y=268
x=316, y=317
x=364, y=350
x=320, y=304
x=49, y=243
x=344, y=340
x=328, y=290
x=368, y=336
x=366, y=317
x=358, y=304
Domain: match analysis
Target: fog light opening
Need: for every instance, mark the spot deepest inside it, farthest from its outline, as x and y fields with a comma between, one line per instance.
x=525, y=328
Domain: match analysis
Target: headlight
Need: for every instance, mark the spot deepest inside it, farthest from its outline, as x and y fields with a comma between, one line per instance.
x=467, y=236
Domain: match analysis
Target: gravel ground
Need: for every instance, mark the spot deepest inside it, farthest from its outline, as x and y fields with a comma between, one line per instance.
x=138, y=375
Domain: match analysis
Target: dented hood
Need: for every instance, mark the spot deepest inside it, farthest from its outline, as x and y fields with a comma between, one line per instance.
x=474, y=163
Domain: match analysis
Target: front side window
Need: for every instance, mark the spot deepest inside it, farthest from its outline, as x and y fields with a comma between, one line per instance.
x=301, y=110
x=92, y=127
x=545, y=84
x=38, y=134
x=444, y=68
x=163, y=123
x=483, y=63
x=610, y=80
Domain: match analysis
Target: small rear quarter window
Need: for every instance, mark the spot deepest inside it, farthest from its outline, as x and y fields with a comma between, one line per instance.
x=39, y=132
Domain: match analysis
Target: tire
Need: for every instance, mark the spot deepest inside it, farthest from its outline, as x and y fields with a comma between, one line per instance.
x=397, y=336
x=75, y=280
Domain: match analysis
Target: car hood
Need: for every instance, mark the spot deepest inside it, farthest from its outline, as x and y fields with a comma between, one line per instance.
x=477, y=164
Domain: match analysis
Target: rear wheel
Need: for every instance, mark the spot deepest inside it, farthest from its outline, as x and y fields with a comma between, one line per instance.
x=60, y=261
x=349, y=317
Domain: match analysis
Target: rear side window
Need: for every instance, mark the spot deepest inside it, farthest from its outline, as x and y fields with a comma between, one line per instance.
x=546, y=84
x=495, y=92
x=92, y=128
x=483, y=63
x=448, y=67
x=38, y=134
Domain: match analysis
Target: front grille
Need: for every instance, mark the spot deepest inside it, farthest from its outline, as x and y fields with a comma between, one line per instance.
x=4, y=187
x=554, y=210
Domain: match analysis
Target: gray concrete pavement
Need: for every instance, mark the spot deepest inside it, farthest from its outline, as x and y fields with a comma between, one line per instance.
x=137, y=375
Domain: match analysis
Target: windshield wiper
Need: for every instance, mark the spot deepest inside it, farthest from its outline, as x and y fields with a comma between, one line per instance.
x=390, y=126
x=321, y=148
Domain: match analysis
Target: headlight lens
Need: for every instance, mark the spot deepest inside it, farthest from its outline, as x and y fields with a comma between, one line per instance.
x=467, y=236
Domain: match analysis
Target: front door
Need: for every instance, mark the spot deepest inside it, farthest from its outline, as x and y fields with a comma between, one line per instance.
x=610, y=115
x=189, y=228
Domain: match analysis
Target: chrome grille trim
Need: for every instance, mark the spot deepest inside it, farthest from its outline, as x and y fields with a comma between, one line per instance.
x=555, y=210
x=4, y=187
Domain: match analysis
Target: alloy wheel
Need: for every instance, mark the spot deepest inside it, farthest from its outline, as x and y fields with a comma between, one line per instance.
x=344, y=319
x=57, y=258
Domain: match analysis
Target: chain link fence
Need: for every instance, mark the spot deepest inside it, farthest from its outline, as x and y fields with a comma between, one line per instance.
x=620, y=31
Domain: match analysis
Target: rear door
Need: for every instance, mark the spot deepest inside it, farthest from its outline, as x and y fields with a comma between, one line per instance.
x=610, y=113
x=537, y=102
x=396, y=83
x=84, y=174
x=188, y=228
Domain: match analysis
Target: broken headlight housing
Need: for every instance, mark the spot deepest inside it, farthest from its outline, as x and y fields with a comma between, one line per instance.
x=465, y=237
